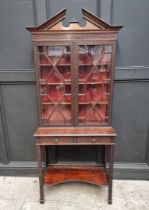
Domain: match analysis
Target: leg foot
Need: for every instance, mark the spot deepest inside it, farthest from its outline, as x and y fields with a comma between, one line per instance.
x=41, y=201
x=109, y=201
x=110, y=197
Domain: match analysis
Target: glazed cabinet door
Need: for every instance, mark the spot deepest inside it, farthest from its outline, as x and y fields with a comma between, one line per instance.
x=94, y=84
x=54, y=64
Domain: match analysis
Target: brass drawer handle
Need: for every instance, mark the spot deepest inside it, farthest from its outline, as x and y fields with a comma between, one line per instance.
x=93, y=140
x=56, y=140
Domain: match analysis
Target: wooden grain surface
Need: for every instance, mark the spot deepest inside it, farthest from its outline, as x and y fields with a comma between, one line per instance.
x=94, y=175
x=74, y=131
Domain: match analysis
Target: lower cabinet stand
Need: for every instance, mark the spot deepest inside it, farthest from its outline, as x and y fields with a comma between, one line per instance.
x=57, y=173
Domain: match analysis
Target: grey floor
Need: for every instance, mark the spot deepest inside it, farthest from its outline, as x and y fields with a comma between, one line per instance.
x=19, y=193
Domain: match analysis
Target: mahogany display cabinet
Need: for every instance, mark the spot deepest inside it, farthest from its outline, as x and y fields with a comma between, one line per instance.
x=74, y=74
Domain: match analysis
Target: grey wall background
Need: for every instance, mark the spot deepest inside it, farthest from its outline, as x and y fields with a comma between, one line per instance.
x=18, y=102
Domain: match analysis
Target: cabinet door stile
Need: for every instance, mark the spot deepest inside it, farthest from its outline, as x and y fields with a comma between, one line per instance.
x=72, y=85
x=112, y=81
x=37, y=68
x=75, y=76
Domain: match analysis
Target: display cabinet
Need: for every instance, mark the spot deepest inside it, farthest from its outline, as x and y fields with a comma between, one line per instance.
x=74, y=74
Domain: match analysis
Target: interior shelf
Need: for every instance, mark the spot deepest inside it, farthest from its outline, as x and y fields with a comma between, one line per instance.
x=97, y=123
x=91, y=64
x=45, y=53
x=61, y=173
x=56, y=103
x=81, y=103
x=93, y=102
x=94, y=83
x=69, y=83
x=48, y=64
x=55, y=83
x=81, y=64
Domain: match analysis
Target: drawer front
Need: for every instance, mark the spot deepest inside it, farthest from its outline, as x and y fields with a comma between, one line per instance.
x=55, y=140
x=74, y=140
x=95, y=140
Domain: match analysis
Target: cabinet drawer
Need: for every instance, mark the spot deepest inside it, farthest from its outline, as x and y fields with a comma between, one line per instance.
x=55, y=140
x=95, y=140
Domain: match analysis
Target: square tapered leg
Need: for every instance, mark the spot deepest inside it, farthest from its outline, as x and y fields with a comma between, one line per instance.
x=40, y=172
x=111, y=156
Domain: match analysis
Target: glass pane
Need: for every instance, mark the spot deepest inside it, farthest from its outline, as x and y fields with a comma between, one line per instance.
x=94, y=84
x=55, y=85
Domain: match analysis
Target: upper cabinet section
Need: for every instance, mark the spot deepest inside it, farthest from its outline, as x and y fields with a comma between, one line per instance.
x=102, y=30
x=74, y=70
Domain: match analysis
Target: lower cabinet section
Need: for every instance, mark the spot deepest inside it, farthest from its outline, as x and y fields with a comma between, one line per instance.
x=56, y=173
x=91, y=173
